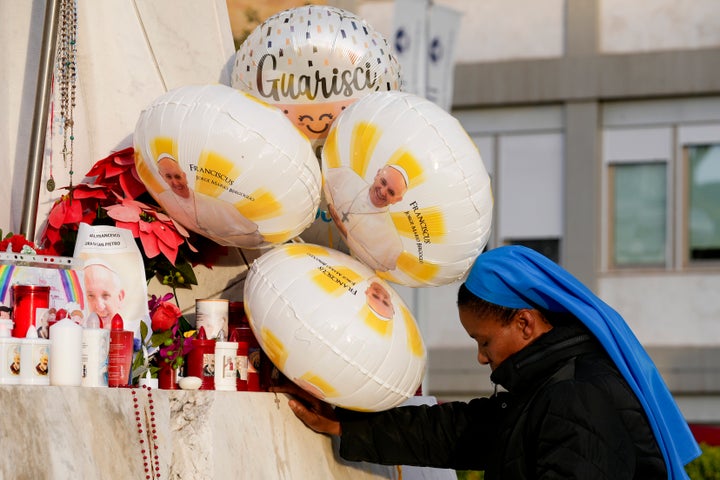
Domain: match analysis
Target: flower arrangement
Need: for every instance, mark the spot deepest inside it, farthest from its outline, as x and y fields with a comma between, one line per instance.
x=19, y=244
x=115, y=195
x=170, y=341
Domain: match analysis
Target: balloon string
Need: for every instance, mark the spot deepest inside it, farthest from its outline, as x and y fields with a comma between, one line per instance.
x=242, y=254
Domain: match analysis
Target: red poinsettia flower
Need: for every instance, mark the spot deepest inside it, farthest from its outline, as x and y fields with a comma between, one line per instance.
x=111, y=193
x=156, y=231
x=79, y=205
x=127, y=211
x=118, y=172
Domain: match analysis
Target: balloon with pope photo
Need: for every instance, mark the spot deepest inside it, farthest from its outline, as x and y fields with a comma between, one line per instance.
x=407, y=189
x=312, y=62
x=228, y=166
x=334, y=328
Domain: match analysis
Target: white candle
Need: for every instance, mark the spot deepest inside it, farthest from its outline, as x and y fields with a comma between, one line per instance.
x=225, y=367
x=9, y=356
x=148, y=380
x=34, y=359
x=95, y=351
x=66, y=353
x=212, y=314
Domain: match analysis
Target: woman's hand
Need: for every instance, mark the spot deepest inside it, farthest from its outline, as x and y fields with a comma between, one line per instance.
x=316, y=414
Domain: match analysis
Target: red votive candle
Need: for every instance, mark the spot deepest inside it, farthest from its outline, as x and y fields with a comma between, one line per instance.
x=120, y=354
x=201, y=360
x=26, y=300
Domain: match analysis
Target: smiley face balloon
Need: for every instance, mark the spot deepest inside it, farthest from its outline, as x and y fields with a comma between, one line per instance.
x=333, y=327
x=312, y=62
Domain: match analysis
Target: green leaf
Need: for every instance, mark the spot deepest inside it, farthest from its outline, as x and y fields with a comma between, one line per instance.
x=138, y=360
x=184, y=324
x=178, y=362
x=187, y=272
x=159, y=338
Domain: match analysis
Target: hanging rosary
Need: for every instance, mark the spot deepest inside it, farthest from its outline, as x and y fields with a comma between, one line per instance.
x=66, y=77
x=149, y=438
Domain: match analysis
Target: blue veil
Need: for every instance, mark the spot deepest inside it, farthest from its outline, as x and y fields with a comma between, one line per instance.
x=518, y=277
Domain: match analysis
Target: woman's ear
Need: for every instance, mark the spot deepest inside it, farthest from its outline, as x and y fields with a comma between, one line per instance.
x=532, y=323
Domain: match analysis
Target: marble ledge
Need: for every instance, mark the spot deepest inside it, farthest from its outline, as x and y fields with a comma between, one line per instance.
x=76, y=432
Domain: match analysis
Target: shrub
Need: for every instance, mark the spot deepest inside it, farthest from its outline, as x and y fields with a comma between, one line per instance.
x=469, y=475
x=705, y=467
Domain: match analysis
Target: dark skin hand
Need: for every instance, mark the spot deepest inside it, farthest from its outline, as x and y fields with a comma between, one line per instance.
x=313, y=412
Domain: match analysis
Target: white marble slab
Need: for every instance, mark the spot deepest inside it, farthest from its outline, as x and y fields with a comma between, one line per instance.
x=76, y=432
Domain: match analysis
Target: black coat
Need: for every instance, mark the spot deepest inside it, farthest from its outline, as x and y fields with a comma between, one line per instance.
x=567, y=413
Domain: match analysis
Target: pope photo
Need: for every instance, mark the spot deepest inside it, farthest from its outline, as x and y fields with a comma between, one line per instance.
x=360, y=210
x=114, y=283
x=212, y=217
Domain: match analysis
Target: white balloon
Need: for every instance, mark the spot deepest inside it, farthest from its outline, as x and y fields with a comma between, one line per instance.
x=312, y=62
x=333, y=327
x=227, y=166
x=409, y=190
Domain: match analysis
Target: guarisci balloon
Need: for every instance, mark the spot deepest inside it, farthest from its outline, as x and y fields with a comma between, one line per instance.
x=407, y=189
x=312, y=62
x=227, y=166
x=333, y=327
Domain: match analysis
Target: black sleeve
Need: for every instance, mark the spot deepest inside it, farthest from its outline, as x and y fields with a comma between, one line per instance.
x=451, y=435
x=577, y=433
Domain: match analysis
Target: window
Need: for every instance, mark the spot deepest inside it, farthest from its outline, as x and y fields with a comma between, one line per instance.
x=639, y=214
x=703, y=163
x=550, y=247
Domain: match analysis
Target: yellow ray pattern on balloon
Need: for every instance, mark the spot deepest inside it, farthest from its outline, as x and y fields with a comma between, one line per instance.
x=152, y=184
x=364, y=139
x=320, y=383
x=411, y=266
x=215, y=174
x=389, y=277
x=335, y=280
x=297, y=249
x=379, y=325
x=158, y=146
x=255, y=99
x=330, y=152
x=405, y=159
x=166, y=145
x=277, y=237
x=263, y=206
x=414, y=338
x=274, y=348
x=428, y=223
